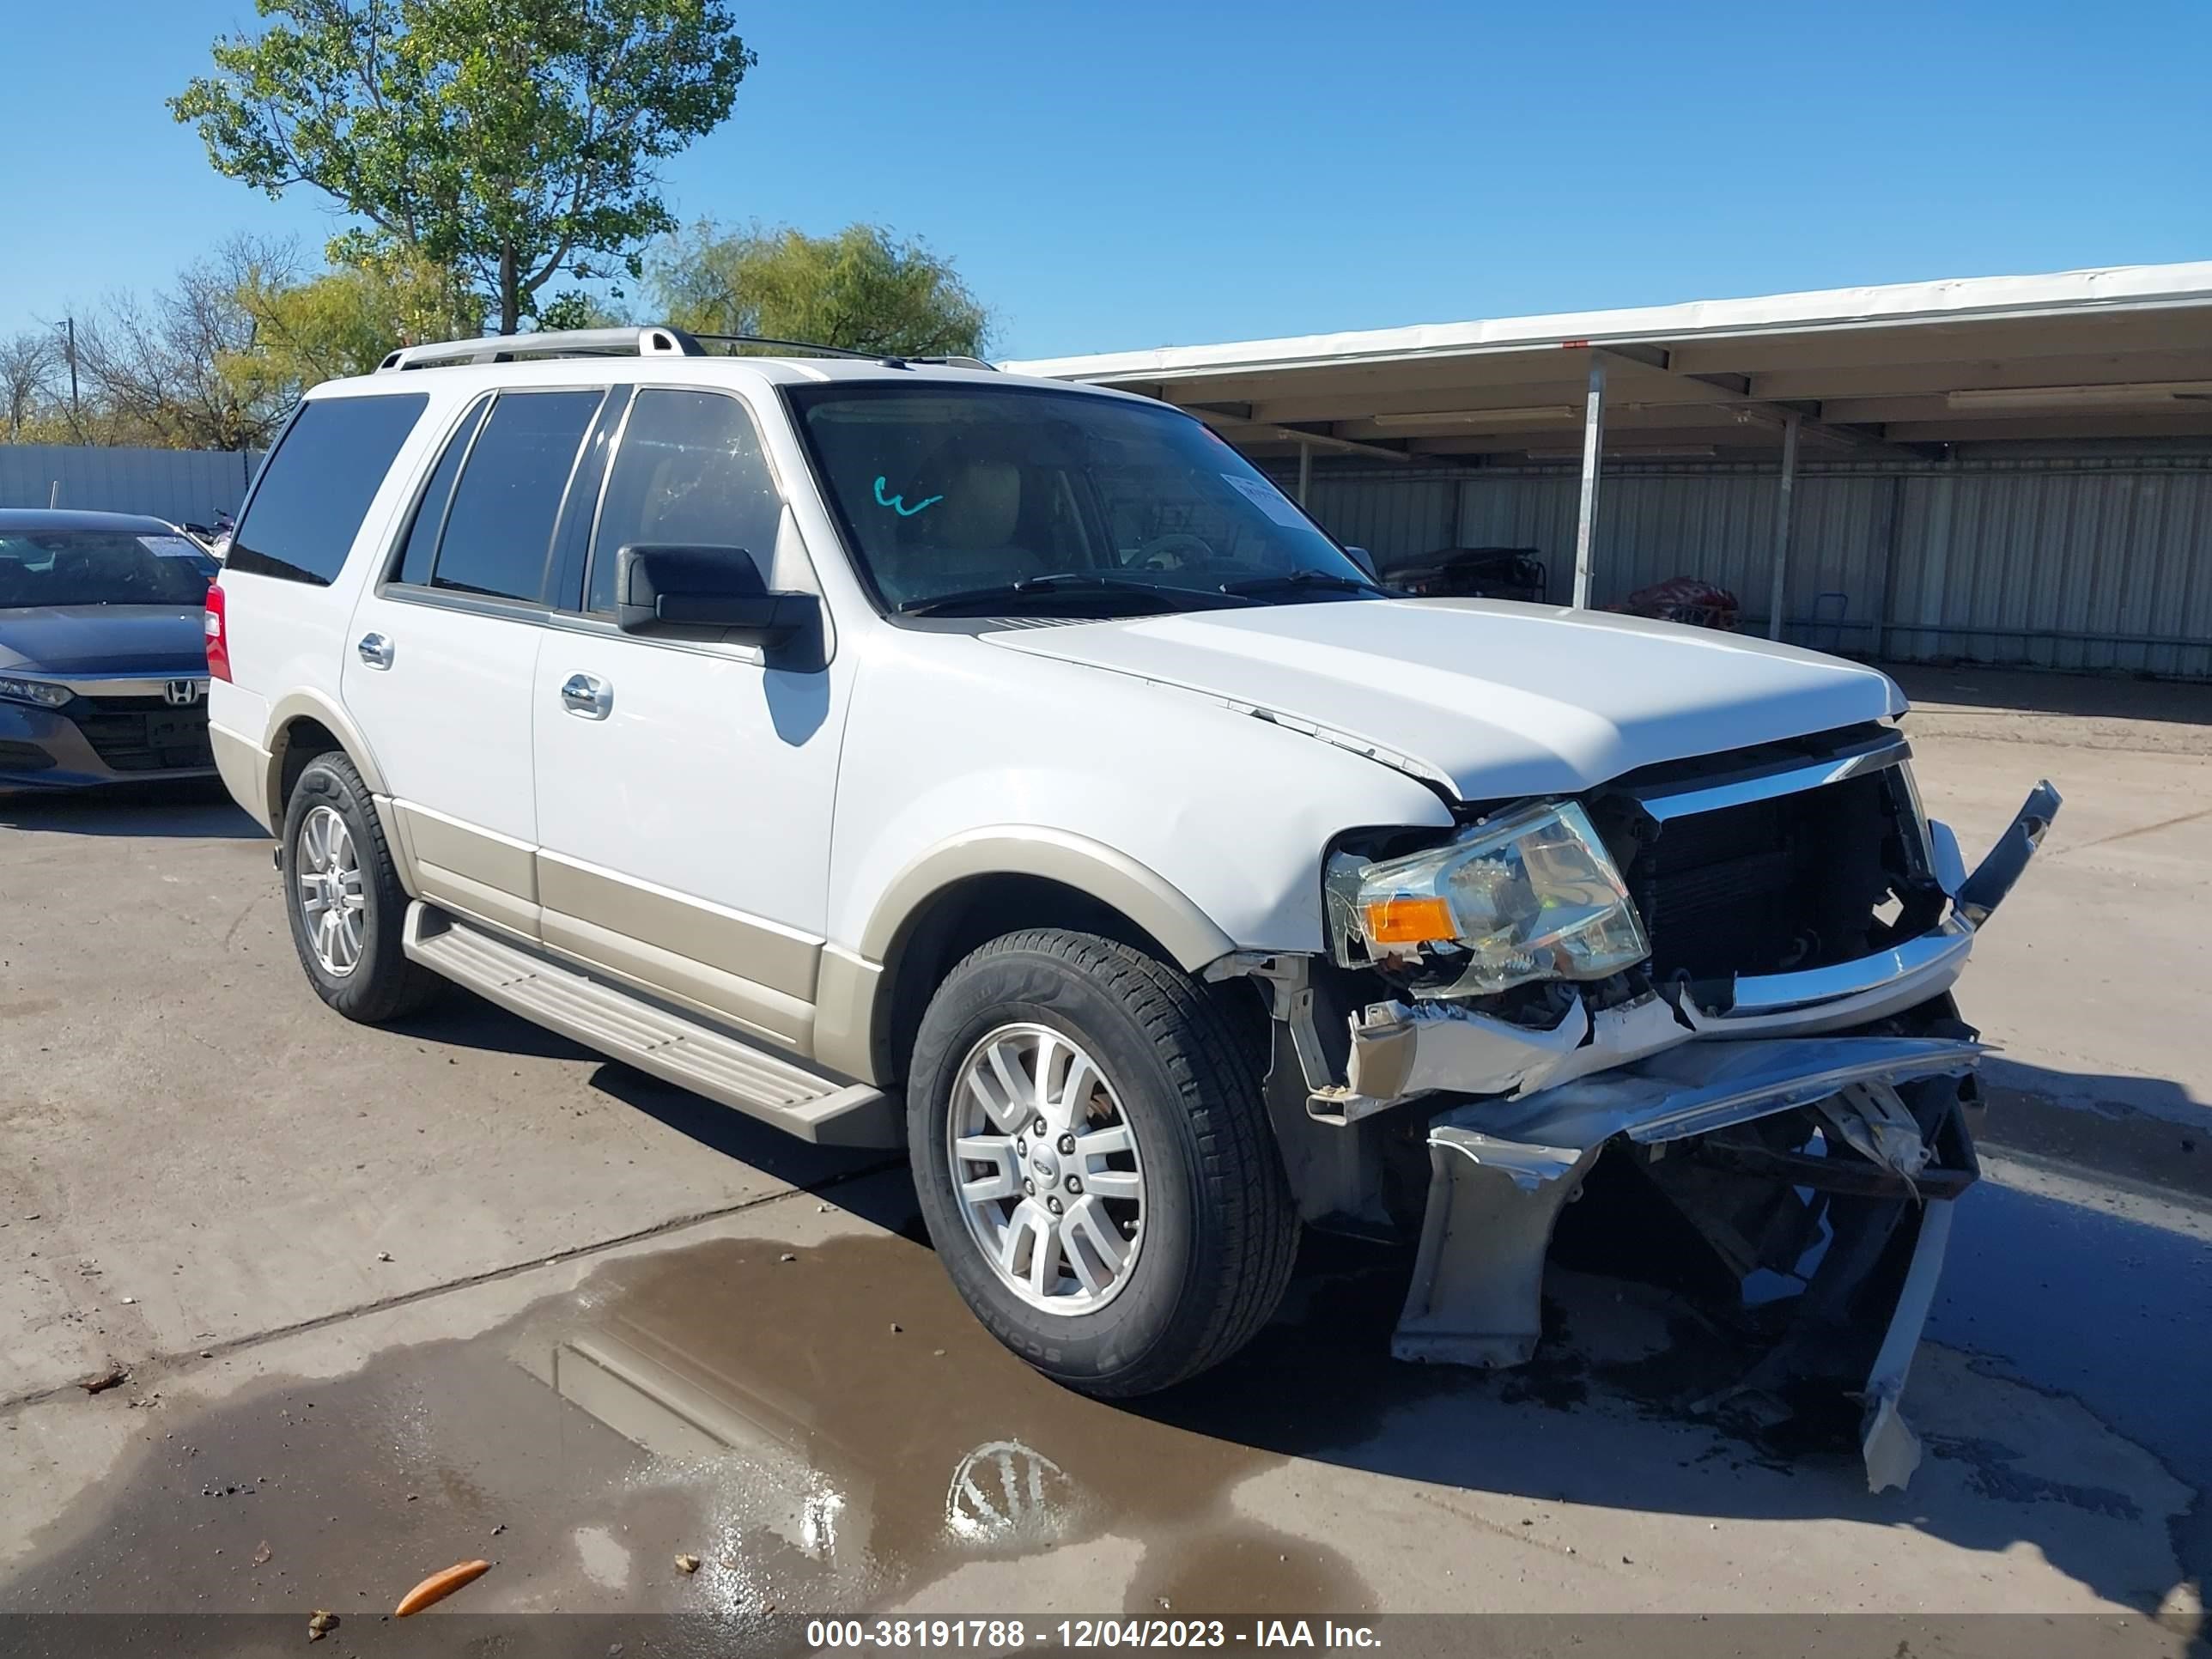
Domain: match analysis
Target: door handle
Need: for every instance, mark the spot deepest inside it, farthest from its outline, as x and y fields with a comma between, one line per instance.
x=587, y=696
x=375, y=650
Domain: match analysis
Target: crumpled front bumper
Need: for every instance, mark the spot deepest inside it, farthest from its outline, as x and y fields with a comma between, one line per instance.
x=1878, y=1141
x=1893, y=1151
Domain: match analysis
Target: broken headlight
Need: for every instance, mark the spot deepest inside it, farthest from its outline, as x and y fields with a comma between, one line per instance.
x=1530, y=895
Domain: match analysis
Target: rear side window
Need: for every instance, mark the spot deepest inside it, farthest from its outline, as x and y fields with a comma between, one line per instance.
x=500, y=524
x=689, y=473
x=431, y=511
x=316, y=489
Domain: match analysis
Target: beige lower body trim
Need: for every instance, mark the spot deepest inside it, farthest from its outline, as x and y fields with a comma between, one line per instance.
x=845, y=1013
x=766, y=1012
x=474, y=872
x=738, y=946
x=243, y=765
x=699, y=956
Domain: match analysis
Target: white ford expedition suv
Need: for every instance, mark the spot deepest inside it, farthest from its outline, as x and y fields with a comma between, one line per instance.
x=910, y=755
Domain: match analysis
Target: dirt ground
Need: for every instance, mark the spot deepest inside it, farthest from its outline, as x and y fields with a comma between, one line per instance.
x=390, y=1299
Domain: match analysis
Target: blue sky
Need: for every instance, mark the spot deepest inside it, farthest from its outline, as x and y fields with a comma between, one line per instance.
x=1142, y=174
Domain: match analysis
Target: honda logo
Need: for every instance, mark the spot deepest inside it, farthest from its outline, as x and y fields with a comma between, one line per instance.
x=183, y=694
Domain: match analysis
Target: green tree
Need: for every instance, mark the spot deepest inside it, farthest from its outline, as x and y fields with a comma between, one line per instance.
x=511, y=140
x=344, y=320
x=574, y=308
x=860, y=290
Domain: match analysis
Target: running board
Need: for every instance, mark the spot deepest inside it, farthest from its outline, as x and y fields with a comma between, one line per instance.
x=626, y=1027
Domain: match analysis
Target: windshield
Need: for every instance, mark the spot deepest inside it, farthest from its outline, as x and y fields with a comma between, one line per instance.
x=101, y=567
x=946, y=490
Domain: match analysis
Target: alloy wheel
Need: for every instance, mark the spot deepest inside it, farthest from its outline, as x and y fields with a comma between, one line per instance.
x=1046, y=1164
x=333, y=902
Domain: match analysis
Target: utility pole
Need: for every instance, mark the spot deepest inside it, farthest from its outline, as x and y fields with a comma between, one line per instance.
x=76, y=413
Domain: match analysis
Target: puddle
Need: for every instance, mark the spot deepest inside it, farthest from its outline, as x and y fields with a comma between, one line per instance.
x=747, y=1401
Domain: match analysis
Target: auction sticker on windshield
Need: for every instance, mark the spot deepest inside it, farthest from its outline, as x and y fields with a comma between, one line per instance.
x=1267, y=498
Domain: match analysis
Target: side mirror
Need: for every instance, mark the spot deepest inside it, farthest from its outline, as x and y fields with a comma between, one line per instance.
x=1364, y=560
x=659, y=589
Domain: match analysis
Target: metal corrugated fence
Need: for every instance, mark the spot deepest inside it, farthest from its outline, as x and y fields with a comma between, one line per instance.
x=185, y=486
x=2094, y=563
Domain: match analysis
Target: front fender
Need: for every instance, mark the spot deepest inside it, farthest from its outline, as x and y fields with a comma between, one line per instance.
x=1185, y=932
x=1203, y=825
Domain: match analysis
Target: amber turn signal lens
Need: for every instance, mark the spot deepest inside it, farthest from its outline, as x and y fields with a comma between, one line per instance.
x=1404, y=920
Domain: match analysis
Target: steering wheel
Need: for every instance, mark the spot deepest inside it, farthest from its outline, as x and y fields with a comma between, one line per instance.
x=1174, y=551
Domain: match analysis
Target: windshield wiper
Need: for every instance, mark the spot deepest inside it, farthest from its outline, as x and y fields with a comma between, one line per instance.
x=1061, y=583
x=1319, y=581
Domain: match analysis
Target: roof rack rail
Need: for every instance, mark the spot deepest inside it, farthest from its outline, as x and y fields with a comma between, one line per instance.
x=892, y=359
x=792, y=345
x=654, y=340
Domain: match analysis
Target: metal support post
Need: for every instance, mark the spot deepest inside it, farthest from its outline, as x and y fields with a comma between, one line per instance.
x=1593, y=446
x=1775, y=602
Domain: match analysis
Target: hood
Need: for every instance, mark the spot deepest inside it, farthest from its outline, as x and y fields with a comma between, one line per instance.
x=75, y=642
x=1494, y=700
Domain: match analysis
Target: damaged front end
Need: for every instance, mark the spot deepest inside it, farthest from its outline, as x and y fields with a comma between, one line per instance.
x=1831, y=1160
x=1776, y=1084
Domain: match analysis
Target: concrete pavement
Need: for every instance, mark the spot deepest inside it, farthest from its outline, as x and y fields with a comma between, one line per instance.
x=196, y=1158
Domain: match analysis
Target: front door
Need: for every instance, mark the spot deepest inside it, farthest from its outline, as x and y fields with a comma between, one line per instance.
x=684, y=786
x=439, y=660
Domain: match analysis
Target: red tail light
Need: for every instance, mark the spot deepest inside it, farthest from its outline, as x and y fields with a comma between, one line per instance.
x=218, y=638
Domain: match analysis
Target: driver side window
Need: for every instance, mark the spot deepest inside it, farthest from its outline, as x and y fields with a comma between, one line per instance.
x=690, y=473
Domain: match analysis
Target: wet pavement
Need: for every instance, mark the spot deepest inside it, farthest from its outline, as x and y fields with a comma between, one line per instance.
x=822, y=1423
x=805, y=1406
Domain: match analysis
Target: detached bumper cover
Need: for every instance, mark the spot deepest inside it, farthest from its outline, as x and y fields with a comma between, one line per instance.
x=1877, y=1142
x=1500, y=1172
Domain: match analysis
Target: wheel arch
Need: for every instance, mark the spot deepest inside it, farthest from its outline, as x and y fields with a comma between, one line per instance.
x=302, y=724
x=974, y=888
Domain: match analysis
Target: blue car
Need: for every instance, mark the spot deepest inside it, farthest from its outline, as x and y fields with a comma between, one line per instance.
x=103, y=661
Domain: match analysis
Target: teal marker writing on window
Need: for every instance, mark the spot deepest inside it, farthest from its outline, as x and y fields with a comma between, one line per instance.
x=897, y=503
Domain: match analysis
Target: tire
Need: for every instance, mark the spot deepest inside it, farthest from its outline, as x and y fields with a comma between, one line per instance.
x=381, y=983
x=1217, y=1229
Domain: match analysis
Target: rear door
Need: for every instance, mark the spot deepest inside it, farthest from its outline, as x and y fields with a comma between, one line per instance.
x=684, y=785
x=439, y=667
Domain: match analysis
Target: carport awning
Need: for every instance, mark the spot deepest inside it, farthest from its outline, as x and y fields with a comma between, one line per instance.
x=2124, y=353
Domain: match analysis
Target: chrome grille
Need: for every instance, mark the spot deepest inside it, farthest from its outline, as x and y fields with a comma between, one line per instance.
x=1776, y=882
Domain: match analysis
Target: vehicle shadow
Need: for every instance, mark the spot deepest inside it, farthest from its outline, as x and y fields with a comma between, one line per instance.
x=464, y=1020
x=764, y=1146
x=196, y=809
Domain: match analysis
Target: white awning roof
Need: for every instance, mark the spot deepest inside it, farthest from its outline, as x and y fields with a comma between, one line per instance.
x=2121, y=352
